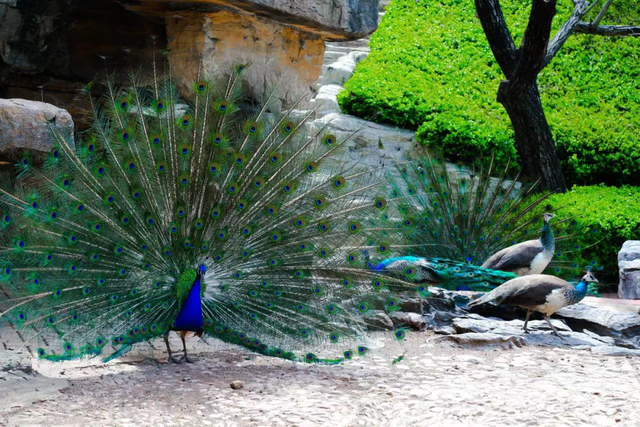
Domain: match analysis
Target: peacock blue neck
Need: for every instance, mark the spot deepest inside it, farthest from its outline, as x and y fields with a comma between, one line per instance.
x=579, y=292
x=548, y=241
x=190, y=315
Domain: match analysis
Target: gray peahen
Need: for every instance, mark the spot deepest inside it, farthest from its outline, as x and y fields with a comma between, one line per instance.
x=209, y=213
x=530, y=257
x=538, y=292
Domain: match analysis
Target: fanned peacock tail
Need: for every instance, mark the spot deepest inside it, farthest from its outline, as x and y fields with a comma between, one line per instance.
x=452, y=218
x=101, y=244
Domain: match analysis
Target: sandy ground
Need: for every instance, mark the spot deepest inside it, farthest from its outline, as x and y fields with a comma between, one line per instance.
x=434, y=385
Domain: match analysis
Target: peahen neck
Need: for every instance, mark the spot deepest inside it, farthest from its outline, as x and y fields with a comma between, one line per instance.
x=579, y=292
x=547, y=239
x=190, y=315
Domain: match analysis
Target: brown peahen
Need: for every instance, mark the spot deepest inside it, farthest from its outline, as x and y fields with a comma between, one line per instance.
x=538, y=292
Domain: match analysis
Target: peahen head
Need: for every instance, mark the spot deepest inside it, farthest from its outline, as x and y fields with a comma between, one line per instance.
x=548, y=241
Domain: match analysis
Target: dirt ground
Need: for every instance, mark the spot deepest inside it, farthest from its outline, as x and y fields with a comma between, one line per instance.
x=433, y=385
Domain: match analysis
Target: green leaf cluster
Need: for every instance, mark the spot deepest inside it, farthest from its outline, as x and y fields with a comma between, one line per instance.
x=606, y=216
x=431, y=69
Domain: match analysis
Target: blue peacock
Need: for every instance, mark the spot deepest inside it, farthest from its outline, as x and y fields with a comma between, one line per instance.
x=207, y=212
x=464, y=228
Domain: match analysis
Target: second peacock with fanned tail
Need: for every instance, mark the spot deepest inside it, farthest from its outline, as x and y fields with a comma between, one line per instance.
x=211, y=213
x=447, y=220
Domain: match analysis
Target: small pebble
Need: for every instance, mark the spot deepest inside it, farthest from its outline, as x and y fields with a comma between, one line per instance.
x=237, y=385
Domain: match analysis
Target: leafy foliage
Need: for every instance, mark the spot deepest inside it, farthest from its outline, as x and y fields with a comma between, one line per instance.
x=431, y=69
x=607, y=216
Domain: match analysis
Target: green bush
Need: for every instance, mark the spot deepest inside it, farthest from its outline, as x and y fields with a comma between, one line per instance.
x=431, y=69
x=607, y=216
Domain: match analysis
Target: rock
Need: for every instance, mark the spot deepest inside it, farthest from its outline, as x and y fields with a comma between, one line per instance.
x=486, y=340
x=236, y=385
x=372, y=145
x=342, y=70
x=540, y=334
x=25, y=125
x=603, y=322
x=629, y=270
x=326, y=100
x=400, y=318
x=378, y=320
x=480, y=324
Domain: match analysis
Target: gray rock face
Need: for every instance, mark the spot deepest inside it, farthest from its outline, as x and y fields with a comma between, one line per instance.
x=30, y=31
x=378, y=320
x=351, y=19
x=27, y=125
x=342, y=70
x=414, y=320
x=629, y=270
x=582, y=316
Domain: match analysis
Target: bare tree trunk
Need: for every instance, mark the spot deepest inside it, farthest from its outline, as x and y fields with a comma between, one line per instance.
x=519, y=93
x=534, y=141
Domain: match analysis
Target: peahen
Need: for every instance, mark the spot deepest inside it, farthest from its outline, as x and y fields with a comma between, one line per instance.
x=530, y=257
x=538, y=292
x=209, y=213
x=446, y=220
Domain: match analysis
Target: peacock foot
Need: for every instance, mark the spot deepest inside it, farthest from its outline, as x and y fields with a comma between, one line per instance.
x=187, y=359
x=175, y=360
x=526, y=331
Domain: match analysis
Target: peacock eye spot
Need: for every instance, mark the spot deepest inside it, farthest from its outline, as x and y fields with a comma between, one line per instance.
x=90, y=148
x=55, y=154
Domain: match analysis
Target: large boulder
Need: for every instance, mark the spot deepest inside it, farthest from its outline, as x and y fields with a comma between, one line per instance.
x=31, y=125
x=629, y=270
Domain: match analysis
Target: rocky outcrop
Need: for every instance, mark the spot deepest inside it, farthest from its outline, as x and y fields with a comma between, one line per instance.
x=63, y=44
x=331, y=19
x=29, y=124
x=629, y=270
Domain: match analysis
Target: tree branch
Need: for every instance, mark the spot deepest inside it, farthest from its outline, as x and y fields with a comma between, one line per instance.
x=534, y=45
x=580, y=8
x=498, y=36
x=608, y=30
x=601, y=14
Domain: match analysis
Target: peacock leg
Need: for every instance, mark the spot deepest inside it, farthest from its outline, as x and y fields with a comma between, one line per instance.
x=171, y=359
x=555, y=331
x=184, y=358
x=526, y=320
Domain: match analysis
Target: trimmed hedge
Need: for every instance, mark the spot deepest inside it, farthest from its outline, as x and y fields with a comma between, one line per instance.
x=431, y=69
x=607, y=216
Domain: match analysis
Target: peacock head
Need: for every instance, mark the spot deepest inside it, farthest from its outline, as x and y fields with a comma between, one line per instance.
x=589, y=278
x=547, y=216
